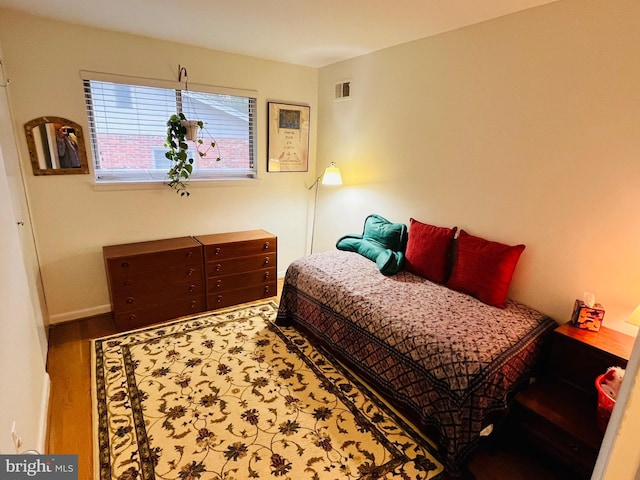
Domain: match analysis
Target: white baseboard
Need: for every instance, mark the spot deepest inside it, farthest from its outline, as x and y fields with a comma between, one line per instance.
x=77, y=314
x=44, y=414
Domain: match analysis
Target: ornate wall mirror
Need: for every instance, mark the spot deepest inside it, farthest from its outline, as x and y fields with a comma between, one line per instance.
x=56, y=146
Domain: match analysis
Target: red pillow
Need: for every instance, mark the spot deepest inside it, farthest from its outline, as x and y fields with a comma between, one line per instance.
x=484, y=269
x=428, y=250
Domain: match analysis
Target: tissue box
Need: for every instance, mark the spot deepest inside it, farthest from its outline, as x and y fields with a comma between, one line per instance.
x=586, y=317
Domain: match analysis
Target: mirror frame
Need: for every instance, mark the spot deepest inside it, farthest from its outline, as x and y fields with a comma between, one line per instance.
x=33, y=151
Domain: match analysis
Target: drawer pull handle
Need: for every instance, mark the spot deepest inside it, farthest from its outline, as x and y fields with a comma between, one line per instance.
x=124, y=264
x=218, y=267
x=218, y=250
x=266, y=245
x=127, y=283
x=192, y=288
x=132, y=318
x=190, y=272
x=266, y=261
x=219, y=283
x=189, y=254
x=130, y=300
x=266, y=275
x=266, y=289
x=193, y=304
x=219, y=299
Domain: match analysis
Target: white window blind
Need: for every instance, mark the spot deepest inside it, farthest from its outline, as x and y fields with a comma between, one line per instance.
x=128, y=125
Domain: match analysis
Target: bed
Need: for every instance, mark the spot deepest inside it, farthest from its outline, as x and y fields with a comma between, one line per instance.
x=445, y=359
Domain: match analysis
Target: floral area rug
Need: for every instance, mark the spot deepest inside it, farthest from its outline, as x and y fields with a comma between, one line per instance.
x=230, y=396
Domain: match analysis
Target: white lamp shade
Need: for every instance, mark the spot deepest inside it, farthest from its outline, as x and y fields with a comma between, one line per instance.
x=332, y=175
x=634, y=319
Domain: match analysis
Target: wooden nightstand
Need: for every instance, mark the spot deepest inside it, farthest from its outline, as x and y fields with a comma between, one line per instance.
x=557, y=413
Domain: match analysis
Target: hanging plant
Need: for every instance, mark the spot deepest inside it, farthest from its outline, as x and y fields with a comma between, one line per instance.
x=179, y=130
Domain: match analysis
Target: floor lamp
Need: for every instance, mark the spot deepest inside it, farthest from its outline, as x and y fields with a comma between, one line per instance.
x=331, y=176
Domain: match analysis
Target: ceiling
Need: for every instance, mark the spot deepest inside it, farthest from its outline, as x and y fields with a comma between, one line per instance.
x=304, y=32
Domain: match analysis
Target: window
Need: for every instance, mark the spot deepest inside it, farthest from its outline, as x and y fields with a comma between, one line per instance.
x=123, y=96
x=128, y=124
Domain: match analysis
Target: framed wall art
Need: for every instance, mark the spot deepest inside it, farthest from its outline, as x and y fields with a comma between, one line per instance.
x=288, y=137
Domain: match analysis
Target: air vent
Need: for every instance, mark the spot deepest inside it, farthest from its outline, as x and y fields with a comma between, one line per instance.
x=343, y=91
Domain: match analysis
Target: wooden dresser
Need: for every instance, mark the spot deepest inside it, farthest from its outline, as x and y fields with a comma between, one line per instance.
x=154, y=281
x=557, y=413
x=239, y=267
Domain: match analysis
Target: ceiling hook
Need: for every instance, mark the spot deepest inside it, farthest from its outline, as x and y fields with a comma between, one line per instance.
x=181, y=71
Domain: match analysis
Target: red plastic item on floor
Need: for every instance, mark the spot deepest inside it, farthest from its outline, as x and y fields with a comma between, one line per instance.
x=605, y=405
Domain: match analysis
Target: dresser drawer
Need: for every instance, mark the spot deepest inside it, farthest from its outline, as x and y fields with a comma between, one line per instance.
x=221, y=251
x=238, y=265
x=237, y=244
x=172, y=308
x=233, y=297
x=131, y=265
x=240, y=280
x=144, y=282
x=168, y=293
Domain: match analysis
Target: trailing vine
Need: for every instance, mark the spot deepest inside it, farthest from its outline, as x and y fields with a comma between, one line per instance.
x=177, y=152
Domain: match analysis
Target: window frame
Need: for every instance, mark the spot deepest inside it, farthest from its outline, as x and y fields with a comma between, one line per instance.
x=147, y=177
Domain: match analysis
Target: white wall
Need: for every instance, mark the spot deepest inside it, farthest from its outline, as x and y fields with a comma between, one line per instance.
x=619, y=457
x=25, y=384
x=523, y=129
x=72, y=220
x=520, y=129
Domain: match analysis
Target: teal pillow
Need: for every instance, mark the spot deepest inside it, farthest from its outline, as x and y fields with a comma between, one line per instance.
x=381, y=241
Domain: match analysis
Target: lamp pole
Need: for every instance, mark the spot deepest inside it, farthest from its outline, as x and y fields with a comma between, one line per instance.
x=315, y=206
x=330, y=176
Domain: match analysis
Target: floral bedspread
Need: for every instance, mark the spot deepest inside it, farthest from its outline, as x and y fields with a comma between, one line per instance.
x=443, y=356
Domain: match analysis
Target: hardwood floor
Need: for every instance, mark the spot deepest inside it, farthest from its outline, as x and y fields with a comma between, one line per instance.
x=70, y=409
x=69, y=366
